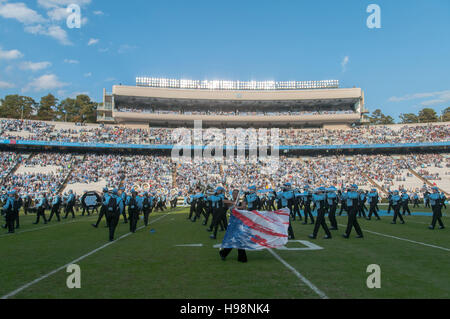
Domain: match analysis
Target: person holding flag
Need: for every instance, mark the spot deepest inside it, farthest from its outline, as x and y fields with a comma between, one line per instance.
x=234, y=204
x=253, y=230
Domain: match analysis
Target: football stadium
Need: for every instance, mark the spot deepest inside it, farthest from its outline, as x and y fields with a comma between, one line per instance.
x=178, y=188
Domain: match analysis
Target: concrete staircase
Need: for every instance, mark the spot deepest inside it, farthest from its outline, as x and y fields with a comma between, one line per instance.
x=375, y=184
x=69, y=175
x=15, y=168
x=426, y=181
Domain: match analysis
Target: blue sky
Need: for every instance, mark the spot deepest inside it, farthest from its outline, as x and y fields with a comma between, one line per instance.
x=402, y=67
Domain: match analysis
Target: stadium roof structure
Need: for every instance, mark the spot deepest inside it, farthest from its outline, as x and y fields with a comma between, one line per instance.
x=218, y=103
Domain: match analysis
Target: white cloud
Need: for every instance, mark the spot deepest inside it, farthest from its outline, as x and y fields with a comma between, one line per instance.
x=431, y=98
x=93, y=41
x=69, y=61
x=34, y=66
x=344, y=63
x=99, y=13
x=20, y=12
x=58, y=14
x=6, y=85
x=53, y=31
x=10, y=55
x=62, y=3
x=59, y=34
x=45, y=82
x=88, y=75
x=124, y=48
x=36, y=24
x=73, y=95
x=58, y=10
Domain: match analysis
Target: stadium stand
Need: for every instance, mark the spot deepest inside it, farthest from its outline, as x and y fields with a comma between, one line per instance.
x=118, y=134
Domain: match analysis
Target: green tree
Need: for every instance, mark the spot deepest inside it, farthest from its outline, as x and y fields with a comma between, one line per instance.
x=47, y=108
x=16, y=107
x=428, y=115
x=446, y=115
x=407, y=118
x=378, y=118
x=80, y=109
x=67, y=110
x=88, y=109
x=387, y=120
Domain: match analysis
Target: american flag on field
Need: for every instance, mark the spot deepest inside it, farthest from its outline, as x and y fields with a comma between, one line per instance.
x=255, y=230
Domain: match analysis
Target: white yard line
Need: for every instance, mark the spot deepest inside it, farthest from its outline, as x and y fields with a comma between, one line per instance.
x=320, y=293
x=403, y=239
x=15, y=292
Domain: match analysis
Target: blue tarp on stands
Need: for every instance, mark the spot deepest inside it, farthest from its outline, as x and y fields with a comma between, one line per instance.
x=170, y=147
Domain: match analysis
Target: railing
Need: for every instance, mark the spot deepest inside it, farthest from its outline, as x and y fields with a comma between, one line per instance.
x=443, y=145
x=105, y=118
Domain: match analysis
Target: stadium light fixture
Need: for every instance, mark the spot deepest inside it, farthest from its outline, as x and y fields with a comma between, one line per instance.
x=235, y=85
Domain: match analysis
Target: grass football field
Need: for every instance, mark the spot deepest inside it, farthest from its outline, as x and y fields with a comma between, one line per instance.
x=155, y=263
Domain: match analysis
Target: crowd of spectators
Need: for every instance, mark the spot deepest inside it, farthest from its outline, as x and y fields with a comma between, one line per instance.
x=40, y=131
x=37, y=180
x=8, y=161
x=160, y=174
x=149, y=110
